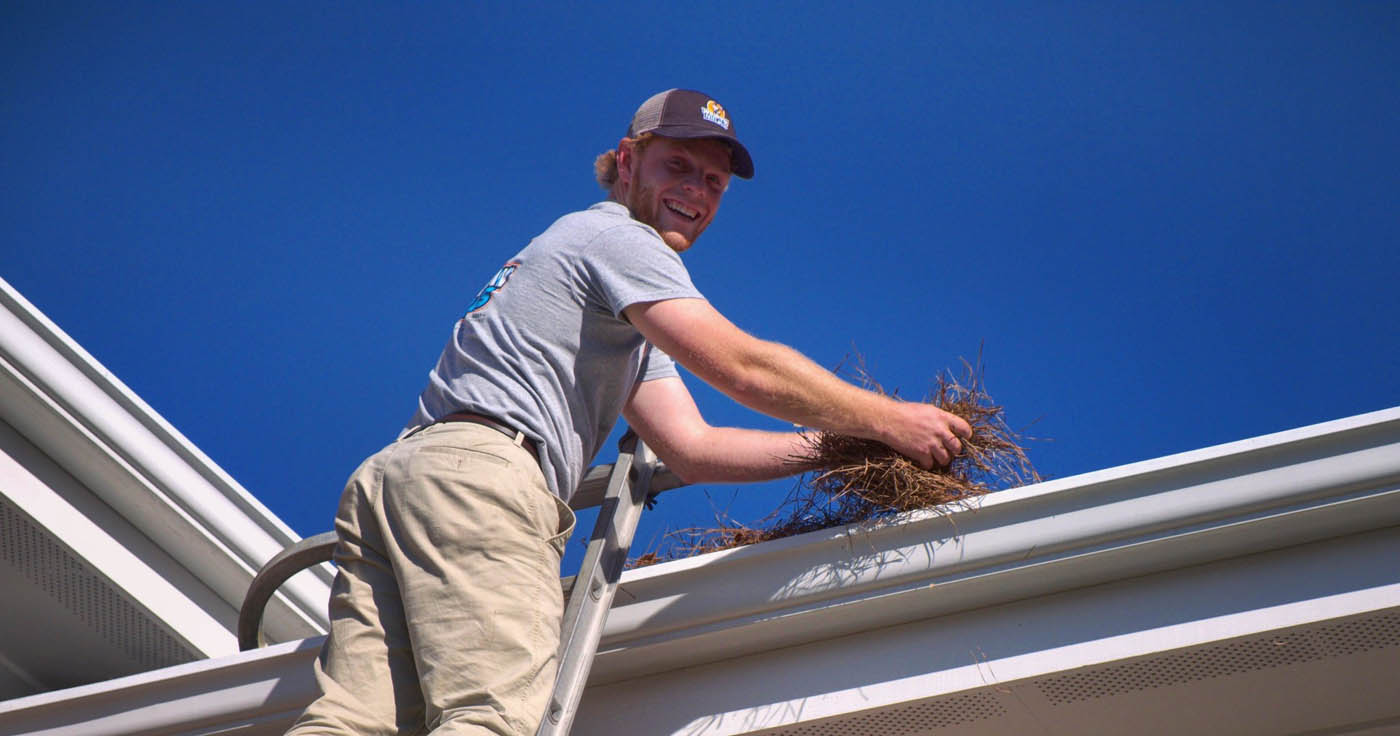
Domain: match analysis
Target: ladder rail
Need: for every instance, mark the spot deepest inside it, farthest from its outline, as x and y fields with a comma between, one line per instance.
x=595, y=585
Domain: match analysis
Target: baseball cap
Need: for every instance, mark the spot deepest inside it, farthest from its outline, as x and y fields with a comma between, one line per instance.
x=685, y=113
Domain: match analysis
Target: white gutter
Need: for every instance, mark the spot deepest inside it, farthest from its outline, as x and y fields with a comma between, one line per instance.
x=1234, y=499
x=1152, y=525
x=263, y=686
x=82, y=416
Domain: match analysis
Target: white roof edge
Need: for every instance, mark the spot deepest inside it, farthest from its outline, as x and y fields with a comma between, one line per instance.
x=177, y=484
x=1280, y=439
x=1331, y=479
x=267, y=683
x=1276, y=490
x=1135, y=472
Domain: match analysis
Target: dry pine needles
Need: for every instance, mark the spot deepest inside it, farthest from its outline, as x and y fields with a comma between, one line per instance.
x=856, y=480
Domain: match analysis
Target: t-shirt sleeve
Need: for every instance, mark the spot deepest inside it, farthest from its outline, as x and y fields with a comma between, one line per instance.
x=628, y=265
x=657, y=364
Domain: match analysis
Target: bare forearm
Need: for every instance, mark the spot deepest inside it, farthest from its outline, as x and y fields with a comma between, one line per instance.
x=663, y=412
x=781, y=382
x=734, y=455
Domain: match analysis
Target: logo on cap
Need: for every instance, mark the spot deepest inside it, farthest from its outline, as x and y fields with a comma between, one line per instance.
x=715, y=114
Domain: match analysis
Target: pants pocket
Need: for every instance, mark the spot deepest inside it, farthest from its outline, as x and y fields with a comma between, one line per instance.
x=566, y=525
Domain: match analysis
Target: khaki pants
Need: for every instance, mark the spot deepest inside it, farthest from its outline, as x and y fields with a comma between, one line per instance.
x=446, y=609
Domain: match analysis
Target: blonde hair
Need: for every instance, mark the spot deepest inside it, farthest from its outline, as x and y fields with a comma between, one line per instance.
x=605, y=166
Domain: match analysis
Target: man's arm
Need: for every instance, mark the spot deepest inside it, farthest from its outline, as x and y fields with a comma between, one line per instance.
x=781, y=382
x=664, y=414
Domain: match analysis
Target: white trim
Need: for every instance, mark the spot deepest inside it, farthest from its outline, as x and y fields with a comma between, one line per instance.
x=117, y=563
x=1277, y=490
x=712, y=635
x=981, y=673
x=78, y=413
x=270, y=683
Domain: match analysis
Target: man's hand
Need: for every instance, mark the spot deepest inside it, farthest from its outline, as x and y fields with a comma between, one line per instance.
x=926, y=434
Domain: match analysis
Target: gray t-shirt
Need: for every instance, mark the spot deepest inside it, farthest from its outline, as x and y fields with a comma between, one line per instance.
x=544, y=346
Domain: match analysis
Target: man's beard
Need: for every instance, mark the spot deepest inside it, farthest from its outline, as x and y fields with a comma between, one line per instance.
x=643, y=203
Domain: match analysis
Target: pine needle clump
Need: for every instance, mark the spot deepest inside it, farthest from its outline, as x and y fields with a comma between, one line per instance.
x=854, y=480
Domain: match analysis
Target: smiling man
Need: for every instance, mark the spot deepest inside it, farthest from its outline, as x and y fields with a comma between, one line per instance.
x=446, y=608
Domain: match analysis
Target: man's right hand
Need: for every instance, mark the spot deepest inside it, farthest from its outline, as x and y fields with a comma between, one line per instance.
x=926, y=434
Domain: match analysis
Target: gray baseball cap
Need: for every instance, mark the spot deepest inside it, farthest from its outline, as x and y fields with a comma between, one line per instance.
x=685, y=113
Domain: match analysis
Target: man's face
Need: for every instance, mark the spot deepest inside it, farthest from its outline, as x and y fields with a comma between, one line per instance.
x=675, y=186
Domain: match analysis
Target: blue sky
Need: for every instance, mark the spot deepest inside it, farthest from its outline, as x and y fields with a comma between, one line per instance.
x=1168, y=225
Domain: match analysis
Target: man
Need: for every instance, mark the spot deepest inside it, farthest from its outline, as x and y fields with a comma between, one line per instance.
x=446, y=609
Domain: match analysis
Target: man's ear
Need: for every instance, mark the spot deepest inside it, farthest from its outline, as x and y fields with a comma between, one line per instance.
x=625, y=159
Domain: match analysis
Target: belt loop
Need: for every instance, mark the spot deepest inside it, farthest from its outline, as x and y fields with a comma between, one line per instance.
x=519, y=438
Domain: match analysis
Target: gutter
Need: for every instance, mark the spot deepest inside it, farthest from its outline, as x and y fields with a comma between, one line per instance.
x=1273, y=492
x=266, y=687
x=70, y=407
x=1278, y=490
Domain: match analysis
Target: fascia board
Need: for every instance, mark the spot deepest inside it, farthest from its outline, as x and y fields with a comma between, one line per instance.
x=78, y=413
x=263, y=689
x=814, y=588
x=1140, y=622
x=1263, y=493
x=269, y=685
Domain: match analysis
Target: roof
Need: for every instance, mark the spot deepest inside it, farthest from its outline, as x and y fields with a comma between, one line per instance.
x=1244, y=588
x=130, y=545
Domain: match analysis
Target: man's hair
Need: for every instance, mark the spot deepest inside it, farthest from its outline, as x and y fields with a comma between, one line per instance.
x=605, y=166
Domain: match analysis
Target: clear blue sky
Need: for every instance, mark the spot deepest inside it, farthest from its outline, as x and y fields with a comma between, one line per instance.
x=1170, y=225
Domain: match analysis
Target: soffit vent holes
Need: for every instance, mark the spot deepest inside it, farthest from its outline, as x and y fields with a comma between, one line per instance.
x=1256, y=653
x=904, y=720
x=67, y=580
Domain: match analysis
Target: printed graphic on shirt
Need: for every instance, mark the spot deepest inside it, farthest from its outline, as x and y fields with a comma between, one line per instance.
x=496, y=283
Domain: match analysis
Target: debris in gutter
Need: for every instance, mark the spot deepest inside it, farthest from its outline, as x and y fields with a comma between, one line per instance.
x=856, y=480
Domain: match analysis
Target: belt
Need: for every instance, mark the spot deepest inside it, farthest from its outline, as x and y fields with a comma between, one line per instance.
x=516, y=435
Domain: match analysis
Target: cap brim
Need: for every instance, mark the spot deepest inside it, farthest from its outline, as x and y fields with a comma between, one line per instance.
x=740, y=163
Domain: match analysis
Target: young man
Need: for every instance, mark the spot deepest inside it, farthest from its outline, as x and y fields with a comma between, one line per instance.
x=446, y=609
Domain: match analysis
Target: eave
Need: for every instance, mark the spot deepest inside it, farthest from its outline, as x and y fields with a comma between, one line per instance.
x=1279, y=490
x=130, y=499
x=1265, y=570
